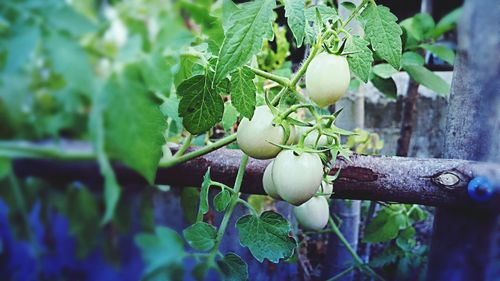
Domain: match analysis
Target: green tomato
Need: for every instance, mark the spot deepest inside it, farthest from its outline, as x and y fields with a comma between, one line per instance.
x=311, y=138
x=327, y=78
x=314, y=214
x=255, y=136
x=268, y=183
x=297, y=177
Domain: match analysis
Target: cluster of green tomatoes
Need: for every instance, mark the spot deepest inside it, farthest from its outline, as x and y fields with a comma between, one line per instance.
x=298, y=173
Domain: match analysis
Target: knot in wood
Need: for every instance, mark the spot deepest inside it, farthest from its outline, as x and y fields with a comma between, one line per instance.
x=448, y=179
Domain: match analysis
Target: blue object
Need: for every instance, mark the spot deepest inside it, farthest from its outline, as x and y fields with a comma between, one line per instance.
x=480, y=189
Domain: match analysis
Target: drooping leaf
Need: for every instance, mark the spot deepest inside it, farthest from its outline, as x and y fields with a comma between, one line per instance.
x=412, y=58
x=162, y=252
x=233, y=268
x=201, y=107
x=201, y=236
x=230, y=116
x=359, y=57
x=251, y=25
x=221, y=200
x=441, y=52
x=384, y=70
x=383, y=227
x=134, y=124
x=427, y=78
x=447, y=23
x=294, y=12
x=348, y=5
x=266, y=236
x=243, y=91
x=384, y=33
x=111, y=187
x=385, y=86
x=205, y=186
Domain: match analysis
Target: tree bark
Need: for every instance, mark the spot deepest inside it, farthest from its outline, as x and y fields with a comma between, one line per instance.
x=394, y=179
x=408, y=118
x=465, y=244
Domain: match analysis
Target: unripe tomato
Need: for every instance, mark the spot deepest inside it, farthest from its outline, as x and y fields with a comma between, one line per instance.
x=314, y=214
x=297, y=177
x=327, y=78
x=310, y=140
x=267, y=182
x=254, y=136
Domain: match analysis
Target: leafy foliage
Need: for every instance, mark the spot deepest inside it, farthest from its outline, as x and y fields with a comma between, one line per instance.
x=201, y=107
x=384, y=33
x=359, y=57
x=249, y=26
x=243, y=91
x=201, y=236
x=267, y=236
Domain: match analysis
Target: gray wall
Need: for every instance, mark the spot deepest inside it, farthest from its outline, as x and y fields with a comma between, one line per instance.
x=383, y=116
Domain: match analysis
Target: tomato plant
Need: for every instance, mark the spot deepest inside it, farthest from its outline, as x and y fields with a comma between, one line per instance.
x=148, y=74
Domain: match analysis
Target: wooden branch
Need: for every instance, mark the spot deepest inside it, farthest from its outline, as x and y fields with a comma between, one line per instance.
x=435, y=182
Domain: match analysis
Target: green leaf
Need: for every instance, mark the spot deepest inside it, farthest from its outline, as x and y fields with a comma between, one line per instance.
x=384, y=33
x=447, y=23
x=427, y=78
x=326, y=13
x=294, y=12
x=230, y=116
x=189, y=201
x=82, y=211
x=359, y=57
x=221, y=200
x=250, y=25
x=201, y=107
x=68, y=19
x=200, y=271
x=134, y=133
x=348, y=5
x=200, y=236
x=233, y=268
x=419, y=26
x=163, y=250
x=64, y=51
x=5, y=168
x=440, y=51
x=412, y=58
x=385, y=86
x=267, y=236
x=243, y=91
x=228, y=10
x=20, y=46
x=384, y=70
x=383, y=227
x=111, y=188
x=157, y=73
x=205, y=186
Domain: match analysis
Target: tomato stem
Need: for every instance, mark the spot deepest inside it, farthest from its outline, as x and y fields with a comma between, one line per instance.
x=185, y=145
x=234, y=200
x=355, y=256
x=355, y=12
x=196, y=153
x=276, y=78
